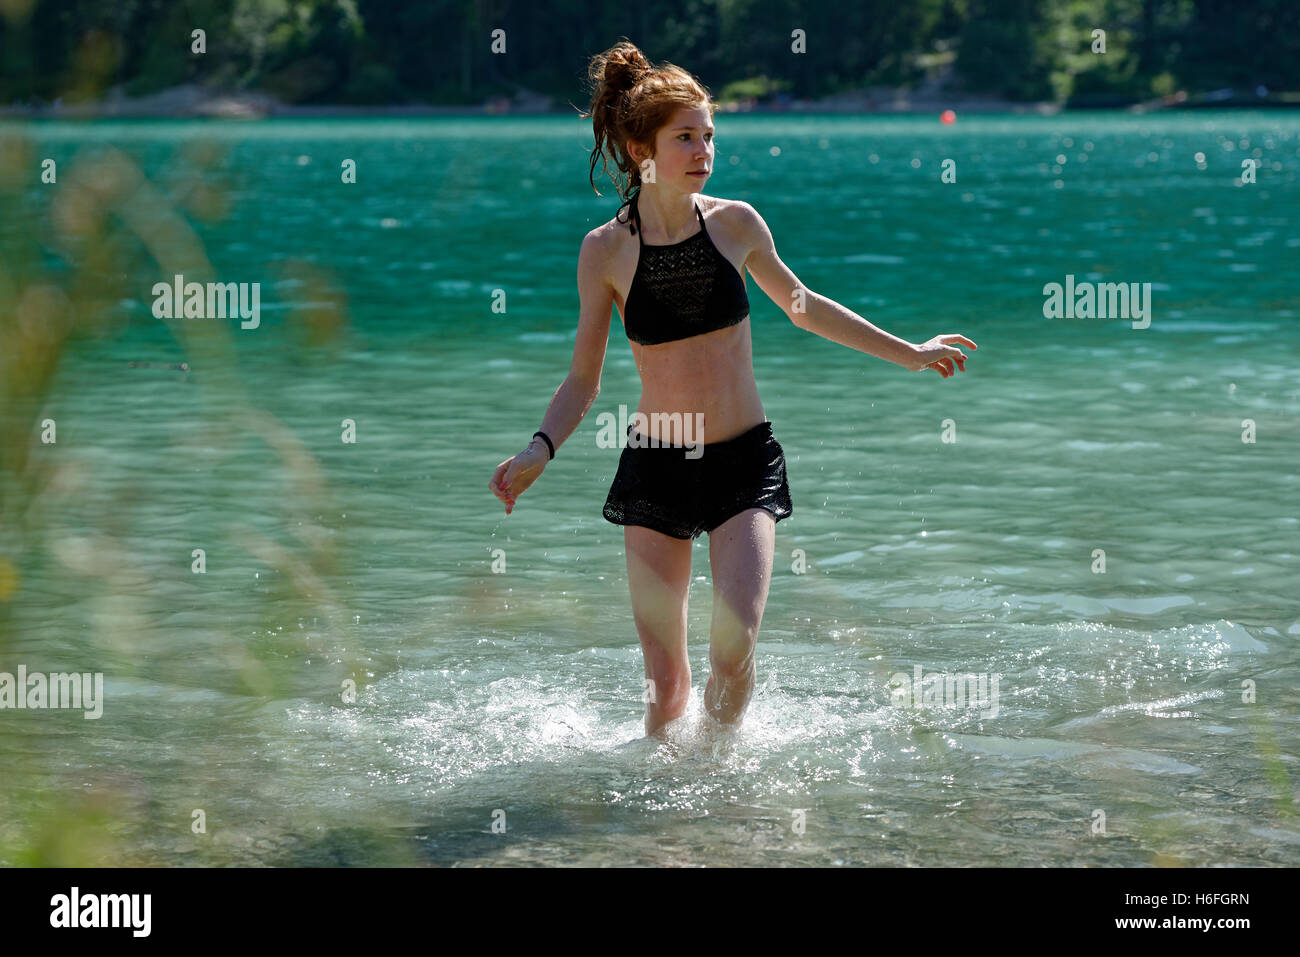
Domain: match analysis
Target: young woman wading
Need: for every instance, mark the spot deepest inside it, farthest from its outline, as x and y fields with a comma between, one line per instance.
x=675, y=269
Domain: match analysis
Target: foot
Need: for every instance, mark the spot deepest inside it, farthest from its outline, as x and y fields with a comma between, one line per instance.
x=720, y=738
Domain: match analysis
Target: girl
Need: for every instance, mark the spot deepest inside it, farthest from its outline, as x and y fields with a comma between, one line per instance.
x=675, y=269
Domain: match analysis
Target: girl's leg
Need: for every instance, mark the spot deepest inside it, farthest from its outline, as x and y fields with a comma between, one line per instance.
x=740, y=556
x=659, y=577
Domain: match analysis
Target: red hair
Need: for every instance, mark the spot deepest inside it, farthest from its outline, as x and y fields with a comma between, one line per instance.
x=631, y=99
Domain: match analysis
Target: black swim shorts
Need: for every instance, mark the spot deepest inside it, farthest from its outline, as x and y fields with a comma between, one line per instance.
x=662, y=489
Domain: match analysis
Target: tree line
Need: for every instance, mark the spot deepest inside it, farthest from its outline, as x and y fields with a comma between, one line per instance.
x=446, y=51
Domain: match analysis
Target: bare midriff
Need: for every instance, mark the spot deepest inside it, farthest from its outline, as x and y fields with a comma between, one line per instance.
x=712, y=374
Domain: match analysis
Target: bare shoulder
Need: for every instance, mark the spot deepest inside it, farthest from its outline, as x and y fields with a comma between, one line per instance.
x=737, y=216
x=608, y=247
x=727, y=210
x=596, y=257
x=740, y=221
x=602, y=242
x=601, y=233
x=612, y=229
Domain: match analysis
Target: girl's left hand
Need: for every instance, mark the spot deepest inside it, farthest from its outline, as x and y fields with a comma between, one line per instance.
x=938, y=355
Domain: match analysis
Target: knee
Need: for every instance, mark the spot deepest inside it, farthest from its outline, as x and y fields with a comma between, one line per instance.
x=667, y=690
x=735, y=623
x=733, y=660
x=732, y=643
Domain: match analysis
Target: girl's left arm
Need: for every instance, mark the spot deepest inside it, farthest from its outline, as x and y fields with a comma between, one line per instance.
x=812, y=311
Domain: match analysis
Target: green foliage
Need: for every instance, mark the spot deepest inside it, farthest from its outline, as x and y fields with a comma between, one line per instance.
x=1007, y=48
x=757, y=87
x=379, y=52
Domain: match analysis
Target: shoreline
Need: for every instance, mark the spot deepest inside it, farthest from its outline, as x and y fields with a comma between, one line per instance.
x=191, y=101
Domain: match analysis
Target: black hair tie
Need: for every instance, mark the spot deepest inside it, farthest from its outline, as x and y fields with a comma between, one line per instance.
x=547, y=439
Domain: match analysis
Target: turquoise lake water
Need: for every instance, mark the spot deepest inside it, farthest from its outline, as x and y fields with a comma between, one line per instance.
x=1124, y=732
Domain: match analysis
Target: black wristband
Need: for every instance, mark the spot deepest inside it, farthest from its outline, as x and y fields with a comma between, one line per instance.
x=547, y=439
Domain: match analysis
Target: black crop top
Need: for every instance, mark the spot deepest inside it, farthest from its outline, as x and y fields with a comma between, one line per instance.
x=681, y=290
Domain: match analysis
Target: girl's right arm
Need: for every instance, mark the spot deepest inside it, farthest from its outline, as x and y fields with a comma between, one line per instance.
x=578, y=391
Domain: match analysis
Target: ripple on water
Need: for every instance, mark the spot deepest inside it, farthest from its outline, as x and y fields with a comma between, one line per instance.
x=1054, y=750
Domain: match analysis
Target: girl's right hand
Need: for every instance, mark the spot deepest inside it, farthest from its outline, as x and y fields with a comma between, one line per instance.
x=513, y=476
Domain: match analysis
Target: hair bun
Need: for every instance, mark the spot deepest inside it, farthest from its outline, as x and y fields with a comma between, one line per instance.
x=626, y=66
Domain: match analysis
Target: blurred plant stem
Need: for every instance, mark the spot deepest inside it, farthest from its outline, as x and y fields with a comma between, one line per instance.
x=80, y=256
